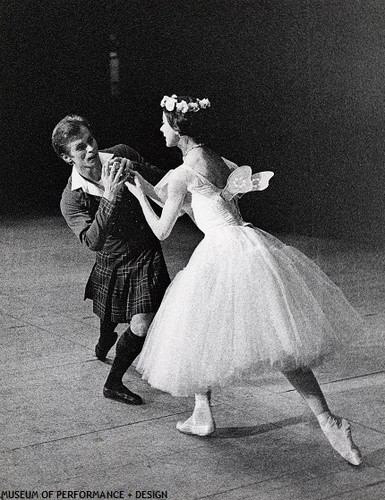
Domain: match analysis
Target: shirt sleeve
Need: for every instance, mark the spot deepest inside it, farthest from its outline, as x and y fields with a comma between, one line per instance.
x=92, y=231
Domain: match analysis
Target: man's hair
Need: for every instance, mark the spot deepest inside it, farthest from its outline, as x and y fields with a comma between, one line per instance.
x=66, y=130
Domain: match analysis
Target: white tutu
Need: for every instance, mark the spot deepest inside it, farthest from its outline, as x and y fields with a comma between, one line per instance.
x=244, y=302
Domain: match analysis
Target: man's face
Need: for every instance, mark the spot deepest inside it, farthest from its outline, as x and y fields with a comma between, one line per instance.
x=82, y=152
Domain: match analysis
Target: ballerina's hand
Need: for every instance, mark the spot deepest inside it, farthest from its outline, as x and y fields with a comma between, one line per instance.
x=135, y=184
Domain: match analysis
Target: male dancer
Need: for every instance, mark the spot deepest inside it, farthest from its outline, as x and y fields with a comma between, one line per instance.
x=129, y=278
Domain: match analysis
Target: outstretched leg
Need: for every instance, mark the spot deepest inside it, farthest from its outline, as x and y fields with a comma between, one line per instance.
x=336, y=429
x=201, y=422
x=127, y=349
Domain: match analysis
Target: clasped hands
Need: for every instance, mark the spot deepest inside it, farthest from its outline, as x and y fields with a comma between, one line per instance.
x=117, y=172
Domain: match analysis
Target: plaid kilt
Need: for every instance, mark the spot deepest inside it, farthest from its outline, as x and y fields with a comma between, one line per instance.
x=121, y=286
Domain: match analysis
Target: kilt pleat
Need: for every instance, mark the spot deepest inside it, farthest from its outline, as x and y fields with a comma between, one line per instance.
x=121, y=286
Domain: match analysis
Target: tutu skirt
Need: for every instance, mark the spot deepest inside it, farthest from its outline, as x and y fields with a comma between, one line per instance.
x=245, y=303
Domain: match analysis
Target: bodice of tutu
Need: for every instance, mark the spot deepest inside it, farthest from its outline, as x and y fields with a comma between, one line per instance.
x=208, y=206
x=204, y=201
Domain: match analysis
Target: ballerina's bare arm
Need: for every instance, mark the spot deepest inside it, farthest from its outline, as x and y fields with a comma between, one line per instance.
x=147, y=188
x=176, y=193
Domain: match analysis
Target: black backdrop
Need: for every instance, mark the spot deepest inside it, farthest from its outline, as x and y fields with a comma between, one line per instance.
x=297, y=86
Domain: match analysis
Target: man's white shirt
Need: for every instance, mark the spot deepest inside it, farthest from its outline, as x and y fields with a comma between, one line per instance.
x=89, y=187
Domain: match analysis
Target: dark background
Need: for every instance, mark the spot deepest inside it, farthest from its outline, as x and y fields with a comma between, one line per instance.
x=298, y=87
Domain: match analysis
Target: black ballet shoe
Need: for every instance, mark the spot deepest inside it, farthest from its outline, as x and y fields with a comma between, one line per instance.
x=123, y=395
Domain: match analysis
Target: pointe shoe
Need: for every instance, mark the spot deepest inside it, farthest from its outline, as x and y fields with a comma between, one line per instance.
x=189, y=427
x=338, y=432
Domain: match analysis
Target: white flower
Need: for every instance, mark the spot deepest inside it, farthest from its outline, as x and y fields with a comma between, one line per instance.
x=204, y=103
x=182, y=106
x=163, y=101
x=168, y=102
x=193, y=106
x=171, y=103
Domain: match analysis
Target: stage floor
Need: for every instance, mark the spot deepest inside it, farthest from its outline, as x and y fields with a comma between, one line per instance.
x=61, y=438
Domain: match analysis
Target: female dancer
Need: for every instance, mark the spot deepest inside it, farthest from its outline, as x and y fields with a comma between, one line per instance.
x=245, y=301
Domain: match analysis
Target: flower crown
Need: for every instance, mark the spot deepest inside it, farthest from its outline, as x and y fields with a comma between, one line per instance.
x=172, y=104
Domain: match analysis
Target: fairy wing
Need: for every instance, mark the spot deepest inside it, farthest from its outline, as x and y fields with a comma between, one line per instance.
x=261, y=180
x=241, y=180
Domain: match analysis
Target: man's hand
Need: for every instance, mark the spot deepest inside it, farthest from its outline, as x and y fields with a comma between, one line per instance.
x=113, y=178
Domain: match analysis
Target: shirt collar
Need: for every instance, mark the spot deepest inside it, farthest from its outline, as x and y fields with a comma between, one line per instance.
x=79, y=181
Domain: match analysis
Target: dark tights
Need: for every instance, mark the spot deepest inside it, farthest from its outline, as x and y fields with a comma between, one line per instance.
x=127, y=349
